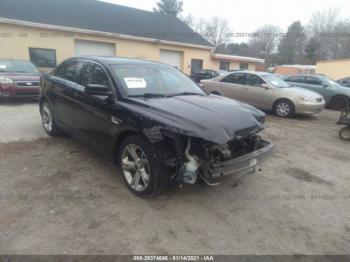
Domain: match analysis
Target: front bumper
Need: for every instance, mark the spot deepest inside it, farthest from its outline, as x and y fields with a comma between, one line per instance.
x=240, y=165
x=17, y=92
x=305, y=108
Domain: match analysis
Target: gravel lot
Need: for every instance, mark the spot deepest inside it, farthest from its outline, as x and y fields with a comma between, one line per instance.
x=57, y=196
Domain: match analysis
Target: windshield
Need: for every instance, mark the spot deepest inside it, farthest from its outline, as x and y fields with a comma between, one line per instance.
x=330, y=81
x=276, y=81
x=17, y=66
x=146, y=79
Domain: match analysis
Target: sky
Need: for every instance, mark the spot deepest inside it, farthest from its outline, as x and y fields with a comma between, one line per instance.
x=245, y=16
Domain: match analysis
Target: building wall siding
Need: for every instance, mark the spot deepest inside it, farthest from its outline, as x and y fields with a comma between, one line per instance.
x=336, y=69
x=15, y=42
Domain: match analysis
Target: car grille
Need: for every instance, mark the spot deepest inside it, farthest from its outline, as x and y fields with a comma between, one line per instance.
x=319, y=100
x=27, y=83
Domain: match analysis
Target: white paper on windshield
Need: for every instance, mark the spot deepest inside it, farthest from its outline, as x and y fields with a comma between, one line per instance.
x=2, y=66
x=275, y=83
x=134, y=82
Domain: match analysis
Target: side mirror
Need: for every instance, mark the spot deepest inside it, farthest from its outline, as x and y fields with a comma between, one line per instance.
x=324, y=85
x=98, y=90
x=266, y=86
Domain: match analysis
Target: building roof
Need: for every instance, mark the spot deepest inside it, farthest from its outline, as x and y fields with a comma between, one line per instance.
x=98, y=16
x=300, y=66
x=238, y=58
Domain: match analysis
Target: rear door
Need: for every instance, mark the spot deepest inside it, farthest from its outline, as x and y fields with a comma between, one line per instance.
x=232, y=85
x=65, y=87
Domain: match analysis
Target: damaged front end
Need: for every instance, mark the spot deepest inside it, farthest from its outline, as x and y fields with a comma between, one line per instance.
x=195, y=158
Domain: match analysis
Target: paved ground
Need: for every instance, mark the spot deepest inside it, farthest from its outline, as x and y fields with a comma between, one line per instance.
x=57, y=196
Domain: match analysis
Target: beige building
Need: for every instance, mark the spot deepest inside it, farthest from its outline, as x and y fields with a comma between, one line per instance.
x=335, y=69
x=49, y=32
x=293, y=69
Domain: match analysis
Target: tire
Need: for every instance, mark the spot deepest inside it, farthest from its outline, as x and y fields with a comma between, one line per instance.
x=141, y=168
x=48, y=120
x=284, y=108
x=339, y=102
x=344, y=133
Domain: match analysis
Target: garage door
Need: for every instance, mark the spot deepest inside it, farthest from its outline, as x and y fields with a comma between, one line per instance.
x=171, y=57
x=94, y=48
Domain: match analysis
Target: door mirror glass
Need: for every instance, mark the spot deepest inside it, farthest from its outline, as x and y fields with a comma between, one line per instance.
x=98, y=90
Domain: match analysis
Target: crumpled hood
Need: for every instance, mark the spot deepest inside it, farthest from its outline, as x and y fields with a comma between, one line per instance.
x=212, y=118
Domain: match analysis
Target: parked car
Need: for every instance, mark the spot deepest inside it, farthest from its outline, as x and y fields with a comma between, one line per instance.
x=266, y=91
x=206, y=74
x=336, y=96
x=344, y=81
x=18, y=79
x=157, y=123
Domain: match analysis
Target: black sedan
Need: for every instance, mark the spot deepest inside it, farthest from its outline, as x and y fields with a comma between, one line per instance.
x=156, y=123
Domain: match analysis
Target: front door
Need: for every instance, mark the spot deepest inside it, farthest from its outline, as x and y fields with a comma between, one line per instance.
x=255, y=94
x=94, y=112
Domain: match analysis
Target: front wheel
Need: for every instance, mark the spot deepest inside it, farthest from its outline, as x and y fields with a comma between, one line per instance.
x=344, y=133
x=339, y=102
x=141, y=167
x=284, y=108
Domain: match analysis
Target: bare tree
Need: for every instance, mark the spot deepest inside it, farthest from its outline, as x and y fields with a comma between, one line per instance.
x=332, y=33
x=216, y=31
x=263, y=42
x=169, y=7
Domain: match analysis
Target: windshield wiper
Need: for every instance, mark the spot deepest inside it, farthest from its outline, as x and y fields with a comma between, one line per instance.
x=184, y=94
x=149, y=95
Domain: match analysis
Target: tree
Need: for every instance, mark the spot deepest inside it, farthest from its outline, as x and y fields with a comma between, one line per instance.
x=263, y=42
x=292, y=45
x=216, y=31
x=312, y=51
x=332, y=33
x=169, y=7
x=241, y=49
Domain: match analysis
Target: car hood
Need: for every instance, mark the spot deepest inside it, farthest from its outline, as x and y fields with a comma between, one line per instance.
x=304, y=92
x=212, y=118
x=21, y=76
x=342, y=89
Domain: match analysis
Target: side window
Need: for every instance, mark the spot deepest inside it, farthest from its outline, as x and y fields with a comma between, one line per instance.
x=234, y=79
x=313, y=81
x=71, y=71
x=94, y=74
x=253, y=80
x=295, y=79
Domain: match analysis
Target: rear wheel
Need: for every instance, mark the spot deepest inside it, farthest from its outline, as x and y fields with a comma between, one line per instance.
x=339, y=102
x=48, y=120
x=344, y=133
x=284, y=108
x=141, y=167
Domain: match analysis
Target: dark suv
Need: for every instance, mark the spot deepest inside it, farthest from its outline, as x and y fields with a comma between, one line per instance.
x=158, y=125
x=18, y=79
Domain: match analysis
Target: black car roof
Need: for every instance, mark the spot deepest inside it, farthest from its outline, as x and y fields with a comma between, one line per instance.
x=112, y=60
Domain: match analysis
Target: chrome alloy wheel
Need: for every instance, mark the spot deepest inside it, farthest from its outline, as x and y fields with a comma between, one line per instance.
x=135, y=167
x=283, y=109
x=47, y=117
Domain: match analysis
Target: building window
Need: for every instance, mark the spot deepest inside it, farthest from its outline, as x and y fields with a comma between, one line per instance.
x=43, y=57
x=196, y=65
x=224, y=65
x=243, y=66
